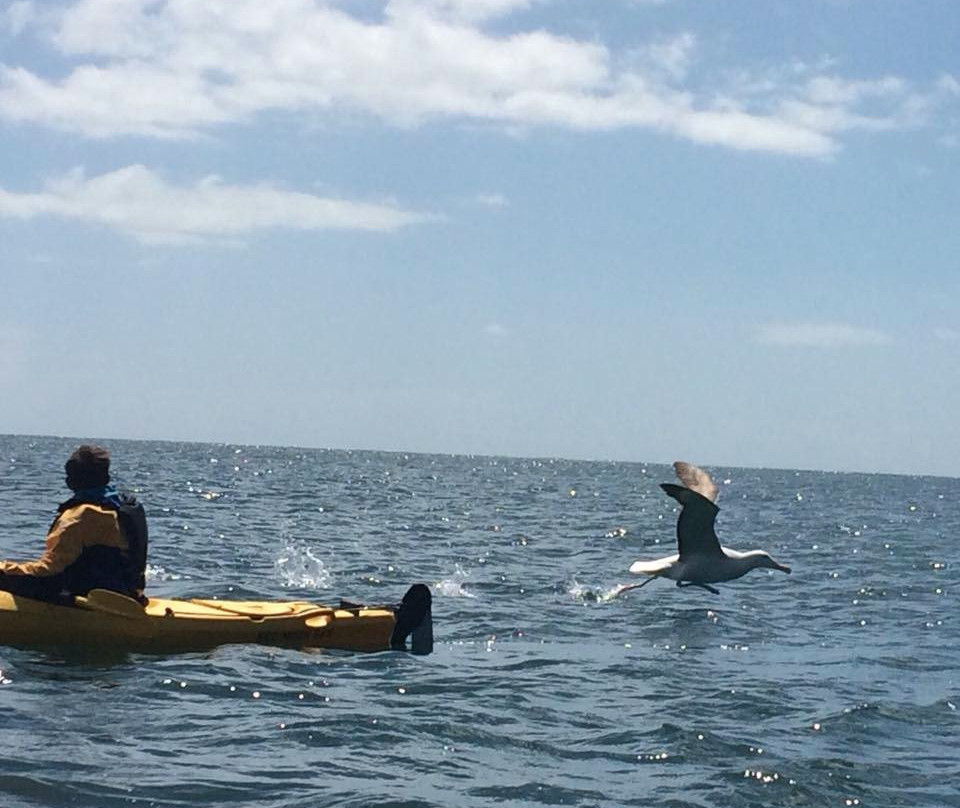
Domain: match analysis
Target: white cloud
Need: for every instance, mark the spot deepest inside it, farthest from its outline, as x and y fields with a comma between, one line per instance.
x=179, y=68
x=496, y=330
x=137, y=201
x=17, y=16
x=101, y=102
x=951, y=335
x=820, y=335
x=469, y=10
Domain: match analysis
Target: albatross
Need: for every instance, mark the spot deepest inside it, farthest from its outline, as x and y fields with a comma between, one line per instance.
x=700, y=559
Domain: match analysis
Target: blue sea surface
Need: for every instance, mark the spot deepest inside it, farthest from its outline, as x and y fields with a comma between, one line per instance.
x=834, y=686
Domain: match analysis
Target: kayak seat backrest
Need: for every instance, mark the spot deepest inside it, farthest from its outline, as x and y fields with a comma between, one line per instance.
x=109, y=602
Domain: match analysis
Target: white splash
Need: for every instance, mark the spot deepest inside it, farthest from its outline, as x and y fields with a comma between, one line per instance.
x=586, y=594
x=453, y=587
x=579, y=591
x=157, y=573
x=613, y=592
x=298, y=568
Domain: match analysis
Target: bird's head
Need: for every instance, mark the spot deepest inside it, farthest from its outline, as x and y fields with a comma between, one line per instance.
x=764, y=560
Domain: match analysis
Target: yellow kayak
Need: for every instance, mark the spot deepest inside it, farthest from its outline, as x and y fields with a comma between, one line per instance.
x=109, y=620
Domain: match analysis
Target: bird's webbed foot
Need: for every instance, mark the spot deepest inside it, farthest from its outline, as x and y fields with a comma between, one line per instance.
x=702, y=586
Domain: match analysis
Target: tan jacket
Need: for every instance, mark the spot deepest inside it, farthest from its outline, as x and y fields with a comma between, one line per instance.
x=75, y=530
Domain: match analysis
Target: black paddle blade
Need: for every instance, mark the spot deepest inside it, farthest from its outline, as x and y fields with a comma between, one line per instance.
x=414, y=617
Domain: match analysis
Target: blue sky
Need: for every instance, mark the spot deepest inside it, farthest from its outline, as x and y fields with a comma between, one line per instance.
x=613, y=229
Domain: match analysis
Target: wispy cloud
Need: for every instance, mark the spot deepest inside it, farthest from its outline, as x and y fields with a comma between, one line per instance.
x=820, y=335
x=141, y=203
x=496, y=330
x=176, y=69
x=668, y=58
x=949, y=84
x=830, y=104
x=469, y=10
x=491, y=200
x=17, y=16
x=951, y=335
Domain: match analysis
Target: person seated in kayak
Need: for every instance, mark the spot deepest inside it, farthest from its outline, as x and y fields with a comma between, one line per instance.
x=97, y=541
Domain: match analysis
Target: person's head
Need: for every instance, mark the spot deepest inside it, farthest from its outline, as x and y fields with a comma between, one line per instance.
x=88, y=467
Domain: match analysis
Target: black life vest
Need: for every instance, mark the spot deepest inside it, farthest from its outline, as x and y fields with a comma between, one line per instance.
x=99, y=567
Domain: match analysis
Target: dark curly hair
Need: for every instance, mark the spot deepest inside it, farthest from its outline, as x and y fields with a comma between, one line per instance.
x=88, y=467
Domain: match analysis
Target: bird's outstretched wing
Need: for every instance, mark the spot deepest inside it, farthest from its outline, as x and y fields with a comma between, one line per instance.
x=654, y=567
x=695, y=532
x=696, y=479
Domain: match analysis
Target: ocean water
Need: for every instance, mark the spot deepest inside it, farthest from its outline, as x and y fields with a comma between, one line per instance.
x=834, y=686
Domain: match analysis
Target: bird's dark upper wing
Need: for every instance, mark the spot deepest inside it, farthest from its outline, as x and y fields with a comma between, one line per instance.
x=695, y=533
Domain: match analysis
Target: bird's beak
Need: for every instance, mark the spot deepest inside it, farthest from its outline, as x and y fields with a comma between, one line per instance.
x=767, y=561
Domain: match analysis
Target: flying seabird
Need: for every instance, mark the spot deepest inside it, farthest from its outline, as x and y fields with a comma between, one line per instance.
x=700, y=559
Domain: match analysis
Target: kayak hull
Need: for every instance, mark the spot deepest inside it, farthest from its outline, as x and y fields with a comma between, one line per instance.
x=108, y=620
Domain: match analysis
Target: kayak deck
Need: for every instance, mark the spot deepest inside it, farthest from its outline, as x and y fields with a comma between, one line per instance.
x=110, y=620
